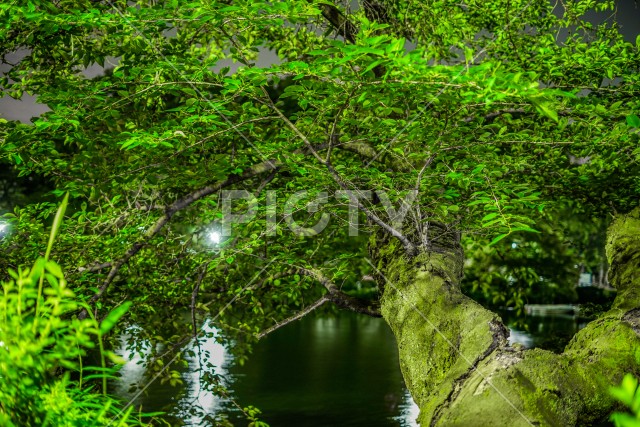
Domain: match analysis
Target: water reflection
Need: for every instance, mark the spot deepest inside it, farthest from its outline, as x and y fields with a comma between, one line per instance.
x=133, y=373
x=549, y=330
x=341, y=370
x=207, y=352
x=327, y=371
x=319, y=371
x=185, y=404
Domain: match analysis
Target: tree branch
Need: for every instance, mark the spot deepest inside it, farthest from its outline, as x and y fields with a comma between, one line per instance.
x=293, y=318
x=339, y=298
x=93, y=268
x=178, y=205
x=194, y=297
x=338, y=21
x=409, y=247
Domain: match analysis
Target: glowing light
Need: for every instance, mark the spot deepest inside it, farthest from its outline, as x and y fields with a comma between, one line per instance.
x=3, y=227
x=214, y=237
x=514, y=245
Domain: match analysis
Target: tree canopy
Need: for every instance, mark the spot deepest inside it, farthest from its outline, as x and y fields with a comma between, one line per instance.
x=335, y=126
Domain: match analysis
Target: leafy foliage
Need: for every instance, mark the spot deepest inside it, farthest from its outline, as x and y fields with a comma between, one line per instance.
x=627, y=393
x=41, y=346
x=494, y=111
x=537, y=268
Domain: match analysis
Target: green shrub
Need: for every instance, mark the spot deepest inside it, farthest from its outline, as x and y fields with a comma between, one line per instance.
x=42, y=345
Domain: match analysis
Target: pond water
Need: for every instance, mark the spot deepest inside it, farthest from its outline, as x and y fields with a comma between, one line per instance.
x=319, y=371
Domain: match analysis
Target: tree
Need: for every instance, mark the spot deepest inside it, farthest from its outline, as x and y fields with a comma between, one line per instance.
x=405, y=123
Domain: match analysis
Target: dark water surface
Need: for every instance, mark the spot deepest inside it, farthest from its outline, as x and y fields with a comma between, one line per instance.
x=551, y=331
x=319, y=371
x=327, y=372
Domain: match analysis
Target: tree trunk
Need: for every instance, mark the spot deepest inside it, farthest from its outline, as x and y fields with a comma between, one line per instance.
x=456, y=360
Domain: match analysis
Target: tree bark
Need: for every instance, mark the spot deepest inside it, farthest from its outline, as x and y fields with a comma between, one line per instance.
x=456, y=360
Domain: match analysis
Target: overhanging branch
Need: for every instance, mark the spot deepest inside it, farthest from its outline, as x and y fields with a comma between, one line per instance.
x=293, y=318
x=339, y=298
x=341, y=23
x=178, y=205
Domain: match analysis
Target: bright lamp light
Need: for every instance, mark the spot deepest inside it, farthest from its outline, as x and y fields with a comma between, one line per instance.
x=214, y=237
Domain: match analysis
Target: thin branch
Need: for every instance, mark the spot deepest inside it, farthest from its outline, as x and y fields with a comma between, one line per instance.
x=339, y=298
x=293, y=318
x=493, y=115
x=178, y=205
x=340, y=22
x=333, y=136
x=408, y=246
x=93, y=268
x=336, y=176
x=365, y=150
x=334, y=294
x=194, y=297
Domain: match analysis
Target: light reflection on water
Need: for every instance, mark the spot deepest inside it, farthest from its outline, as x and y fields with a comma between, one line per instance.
x=341, y=370
x=316, y=372
x=132, y=372
x=162, y=397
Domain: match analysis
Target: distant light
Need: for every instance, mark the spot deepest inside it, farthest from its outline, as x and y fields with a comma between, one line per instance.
x=214, y=237
x=3, y=227
x=514, y=245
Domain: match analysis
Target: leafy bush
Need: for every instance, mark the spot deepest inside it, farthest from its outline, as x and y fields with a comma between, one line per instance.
x=42, y=346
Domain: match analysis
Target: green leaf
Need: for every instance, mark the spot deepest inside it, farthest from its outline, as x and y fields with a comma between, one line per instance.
x=112, y=318
x=498, y=238
x=57, y=221
x=371, y=66
x=493, y=222
x=525, y=228
x=615, y=105
x=624, y=420
x=545, y=109
x=633, y=121
x=629, y=384
x=489, y=216
x=54, y=269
